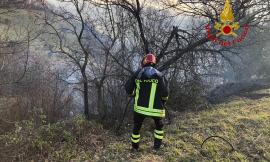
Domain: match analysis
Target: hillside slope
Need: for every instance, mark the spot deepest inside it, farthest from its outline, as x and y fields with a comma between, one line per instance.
x=242, y=121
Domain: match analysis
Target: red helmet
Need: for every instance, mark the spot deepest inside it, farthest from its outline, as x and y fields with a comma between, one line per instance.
x=149, y=59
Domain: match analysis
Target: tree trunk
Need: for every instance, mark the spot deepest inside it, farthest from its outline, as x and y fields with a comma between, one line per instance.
x=85, y=95
x=100, y=102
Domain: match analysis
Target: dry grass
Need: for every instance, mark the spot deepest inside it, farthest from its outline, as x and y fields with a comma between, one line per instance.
x=244, y=122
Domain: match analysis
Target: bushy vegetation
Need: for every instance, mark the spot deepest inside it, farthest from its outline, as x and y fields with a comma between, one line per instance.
x=242, y=121
x=72, y=57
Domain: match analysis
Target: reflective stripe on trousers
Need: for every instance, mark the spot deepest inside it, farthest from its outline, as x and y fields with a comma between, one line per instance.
x=135, y=138
x=159, y=134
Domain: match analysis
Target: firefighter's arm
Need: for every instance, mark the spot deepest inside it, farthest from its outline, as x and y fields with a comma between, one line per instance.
x=164, y=90
x=130, y=86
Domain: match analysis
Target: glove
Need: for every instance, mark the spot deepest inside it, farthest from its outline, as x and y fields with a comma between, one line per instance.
x=132, y=95
x=163, y=102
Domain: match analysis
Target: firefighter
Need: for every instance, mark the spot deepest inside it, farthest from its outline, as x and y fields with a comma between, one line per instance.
x=150, y=90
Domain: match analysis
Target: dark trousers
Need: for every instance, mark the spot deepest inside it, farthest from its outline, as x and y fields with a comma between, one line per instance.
x=138, y=121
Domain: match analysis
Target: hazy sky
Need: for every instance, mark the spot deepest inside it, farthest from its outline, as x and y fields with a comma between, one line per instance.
x=153, y=3
x=180, y=20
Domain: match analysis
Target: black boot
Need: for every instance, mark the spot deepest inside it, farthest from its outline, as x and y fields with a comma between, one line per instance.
x=157, y=144
x=135, y=147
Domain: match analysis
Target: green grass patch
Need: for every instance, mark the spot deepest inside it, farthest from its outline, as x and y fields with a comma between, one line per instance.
x=243, y=122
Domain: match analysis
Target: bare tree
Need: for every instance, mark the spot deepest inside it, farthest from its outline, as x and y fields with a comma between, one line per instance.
x=64, y=24
x=184, y=52
x=122, y=31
